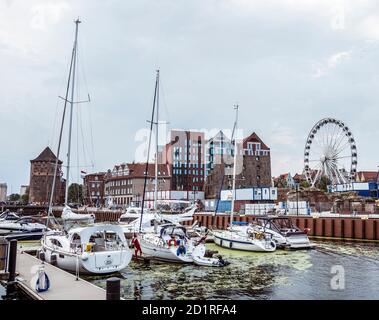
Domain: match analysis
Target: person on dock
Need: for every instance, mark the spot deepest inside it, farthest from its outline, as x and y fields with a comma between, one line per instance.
x=137, y=247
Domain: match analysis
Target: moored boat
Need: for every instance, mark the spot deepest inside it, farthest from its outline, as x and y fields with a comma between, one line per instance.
x=24, y=228
x=283, y=231
x=100, y=249
x=170, y=243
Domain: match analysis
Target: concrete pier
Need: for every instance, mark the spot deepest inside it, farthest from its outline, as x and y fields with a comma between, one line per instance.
x=63, y=285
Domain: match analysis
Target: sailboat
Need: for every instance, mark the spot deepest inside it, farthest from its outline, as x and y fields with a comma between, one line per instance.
x=241, y=237
x=167, y=241
x=97, y=249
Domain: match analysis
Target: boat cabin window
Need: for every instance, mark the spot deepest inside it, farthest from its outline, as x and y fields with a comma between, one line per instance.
x=283, y=224
x=127, y=219
x=104, y=241
x=55, y=242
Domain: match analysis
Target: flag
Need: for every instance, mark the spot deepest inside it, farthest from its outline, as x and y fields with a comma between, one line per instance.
x=82, y=174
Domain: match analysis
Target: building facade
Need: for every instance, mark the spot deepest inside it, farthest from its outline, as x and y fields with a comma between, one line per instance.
x=253, y=168
x=217, y=148
x=3, y=192
x=367, y=176
x=123, y=186
x=185, y=156
x=42, y=171
x=93, y=189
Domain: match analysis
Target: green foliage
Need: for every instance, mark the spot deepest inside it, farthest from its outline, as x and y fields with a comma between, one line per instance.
x=25, y=198
x=304, y=184
x=75, y=193
x=323, y=183
x=14, y=197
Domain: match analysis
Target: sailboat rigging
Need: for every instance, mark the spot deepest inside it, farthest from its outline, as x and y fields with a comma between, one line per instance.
x=97, y=249
x=241, y=237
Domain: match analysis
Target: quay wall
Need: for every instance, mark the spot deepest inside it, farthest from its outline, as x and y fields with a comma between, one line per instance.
x=356, y=228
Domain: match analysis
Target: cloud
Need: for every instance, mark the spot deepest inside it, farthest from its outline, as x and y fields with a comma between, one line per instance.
x=331, y=63
x=211, y=54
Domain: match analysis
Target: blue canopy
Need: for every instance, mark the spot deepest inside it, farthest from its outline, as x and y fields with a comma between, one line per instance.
x=240, y=222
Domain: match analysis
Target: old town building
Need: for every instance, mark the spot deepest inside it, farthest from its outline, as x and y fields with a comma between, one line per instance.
x=253, y=168
x=93, y=189
x=42, y=171
x=123, y=186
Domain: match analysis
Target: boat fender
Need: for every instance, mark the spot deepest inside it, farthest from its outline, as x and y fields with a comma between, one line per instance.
x=43, y=281
x=88, y=247
x=85, y=256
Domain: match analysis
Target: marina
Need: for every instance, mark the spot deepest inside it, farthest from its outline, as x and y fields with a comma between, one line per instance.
x=193, y=160
x=280, y=275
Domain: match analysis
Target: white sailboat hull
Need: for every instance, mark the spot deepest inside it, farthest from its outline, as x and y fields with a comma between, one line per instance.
x=163, y=253
x=228, y=240
x=90, y=262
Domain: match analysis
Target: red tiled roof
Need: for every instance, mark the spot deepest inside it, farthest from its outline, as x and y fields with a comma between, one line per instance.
x=46, y=156
x=298, y=177
x=254, y=138
x=367, y=175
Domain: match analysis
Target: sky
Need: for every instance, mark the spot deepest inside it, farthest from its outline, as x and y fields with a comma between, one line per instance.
x=287, y=64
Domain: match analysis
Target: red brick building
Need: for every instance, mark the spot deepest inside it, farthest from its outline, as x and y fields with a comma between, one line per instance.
x=93, y=189
x=41, y=179
x=255, y=171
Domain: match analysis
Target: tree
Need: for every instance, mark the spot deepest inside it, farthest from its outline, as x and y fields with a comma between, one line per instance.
x=14, y=197
x=304, y=184
x=323, y=183
x=75, y=193
x=25, y=197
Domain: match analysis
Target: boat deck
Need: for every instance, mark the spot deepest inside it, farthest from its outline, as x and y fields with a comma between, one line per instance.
x=63, y=285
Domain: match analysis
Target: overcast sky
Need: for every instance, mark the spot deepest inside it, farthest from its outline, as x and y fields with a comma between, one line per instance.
x=287, y=63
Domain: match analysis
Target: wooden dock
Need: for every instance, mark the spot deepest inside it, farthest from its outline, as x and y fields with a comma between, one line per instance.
x=63, y=285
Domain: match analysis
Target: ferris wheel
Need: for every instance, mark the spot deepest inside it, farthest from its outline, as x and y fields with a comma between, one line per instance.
x=330, y=151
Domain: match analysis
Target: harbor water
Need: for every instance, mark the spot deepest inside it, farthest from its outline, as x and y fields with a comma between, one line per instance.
x=305, y=274
x=308, y=274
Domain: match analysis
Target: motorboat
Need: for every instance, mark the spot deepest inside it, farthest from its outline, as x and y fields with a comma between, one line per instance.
x=9, y=216
x=283, y=231
x=244, y=238
x=24, y=228
x=171, y=243
x=100, y=249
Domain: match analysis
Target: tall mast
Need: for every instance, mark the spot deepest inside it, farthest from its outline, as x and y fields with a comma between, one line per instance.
x=148, y=149
x=234, y=167
x=156, y=140
x=77, y=21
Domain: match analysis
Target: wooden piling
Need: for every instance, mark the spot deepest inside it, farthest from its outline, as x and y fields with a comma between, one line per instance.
x=113, y=288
